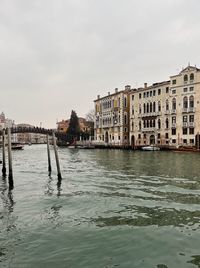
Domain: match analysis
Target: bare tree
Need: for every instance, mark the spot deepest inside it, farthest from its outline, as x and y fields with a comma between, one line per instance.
x=90, y=116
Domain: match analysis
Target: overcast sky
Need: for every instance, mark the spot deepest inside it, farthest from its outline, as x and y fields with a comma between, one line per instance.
x=58, y=55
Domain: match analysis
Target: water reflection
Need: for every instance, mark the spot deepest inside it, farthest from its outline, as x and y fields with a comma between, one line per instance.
x=195, y=260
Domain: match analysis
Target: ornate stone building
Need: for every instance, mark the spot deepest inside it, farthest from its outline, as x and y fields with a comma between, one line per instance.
x=112, y=118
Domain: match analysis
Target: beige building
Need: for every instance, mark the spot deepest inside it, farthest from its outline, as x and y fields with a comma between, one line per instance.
x=167, y=113
x=112, y=118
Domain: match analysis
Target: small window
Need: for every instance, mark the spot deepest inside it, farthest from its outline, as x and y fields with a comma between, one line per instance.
x=167, y=89
x=158, y=135
x=159, y=91
x=154, y=93
x=191, y=131
x=150, y=93
x=173, y=131
x=185, y=78
x=147, y=94
x=166, y=135
x=185, y=141
x=185, y=89
x=184, y=131
x=174, y=91
x=191, y=88
x=191, y=77
x=191, y=141
x=140, y=96
x=191, y=118
x=132, y=97
x=185, y=118
x=174, y=82
x=174, y=141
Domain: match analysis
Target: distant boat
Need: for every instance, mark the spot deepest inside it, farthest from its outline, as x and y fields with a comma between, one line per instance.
x=17, y=146
x=150, y=148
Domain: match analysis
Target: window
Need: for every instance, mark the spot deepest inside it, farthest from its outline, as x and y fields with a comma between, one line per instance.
x=191, y=141
x=167, y=123
x=174, y=91
x=140, y=109
x=167, y=89
x=147, y=94
x=140, y=125
x=140, y=96
x=174, y=82
x=173, y=131
x=119, y=102
x=185, y=89
x=185, y=118
x=191, y=118
x=191, y=101
x=166, y=135
x=132, y=97
x=185, y=78
x=154, y=93
x=147, y=107
x=125, y=102
x=167, y=105
x=158, y=135
x=191, y=131
x=191, y=77
x=154, y=107
x=173, y=119
x=159, y=106
x=184, y=131
x=151, y=107
x=173, y=104
x=154, y=122
x=185, y=102
x=125, y=137
x=159, y=91
x=145, y=136
x=139, y=136
x=159, y=124
x=174, y=141
x=185, y=141
x=191, y=89
x=125, y=119
x=119, y=138
x=144, y=95
x=144, y=107
x=150, y=93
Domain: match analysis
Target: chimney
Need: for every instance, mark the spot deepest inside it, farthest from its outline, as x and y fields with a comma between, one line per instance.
x=116, y=90
x=98, y=97
x=145, y=85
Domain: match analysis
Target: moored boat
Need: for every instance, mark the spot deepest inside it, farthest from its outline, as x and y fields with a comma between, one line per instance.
x=150, y=148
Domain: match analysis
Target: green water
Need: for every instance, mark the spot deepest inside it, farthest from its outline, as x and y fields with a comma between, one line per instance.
x=112, y=209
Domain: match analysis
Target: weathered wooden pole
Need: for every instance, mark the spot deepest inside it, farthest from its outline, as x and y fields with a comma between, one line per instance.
x=3, y=154
x=10, y=174
x=49, y=157
x=56, y=156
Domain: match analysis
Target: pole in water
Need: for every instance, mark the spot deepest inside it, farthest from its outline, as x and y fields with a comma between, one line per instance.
x=10, y=174
x=49, y=157
x=56, y=156
x=3, y=154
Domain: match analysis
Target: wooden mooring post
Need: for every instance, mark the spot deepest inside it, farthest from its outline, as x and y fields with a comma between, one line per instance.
x=10, y=174
x=49, y=157
x=56, y=156
x=3, y=154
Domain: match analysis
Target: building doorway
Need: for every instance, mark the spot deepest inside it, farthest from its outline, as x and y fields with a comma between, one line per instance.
x=106, y=137
x=133, y=142
x=152, y=140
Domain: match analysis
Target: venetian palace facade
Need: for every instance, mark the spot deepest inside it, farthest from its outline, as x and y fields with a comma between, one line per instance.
x=165, y=113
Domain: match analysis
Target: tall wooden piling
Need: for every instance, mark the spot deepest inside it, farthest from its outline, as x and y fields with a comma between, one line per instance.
x=56, y=156
x=3, y=154
x=49, y=157
x=10, y=174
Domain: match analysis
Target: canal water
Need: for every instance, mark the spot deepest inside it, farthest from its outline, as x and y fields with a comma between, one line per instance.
x=113, y=208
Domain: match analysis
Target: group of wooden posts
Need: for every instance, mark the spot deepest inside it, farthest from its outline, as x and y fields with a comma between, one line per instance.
x=10, y=168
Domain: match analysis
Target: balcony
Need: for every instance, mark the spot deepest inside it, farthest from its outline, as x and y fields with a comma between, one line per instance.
x=149, y=129
x=191, y=110
x=184, y=110
x=191, y=124
x=185, y=124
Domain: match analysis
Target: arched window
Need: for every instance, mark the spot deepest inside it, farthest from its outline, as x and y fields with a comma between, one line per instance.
x=125, y=119
x=144, y=123
x=192, y=77
x=151, y=107
x=147, y=123
x=140, y=125
x=167, y=123
x=159, y=106
x=154, y=122
x=159, y=124
x=191, y=100
x=174, y=104
x=185, y=78
x=154, y=107
x=125, y=102
x=147, y=107
x=185, y=102
x=144, y=106
x=167, y=105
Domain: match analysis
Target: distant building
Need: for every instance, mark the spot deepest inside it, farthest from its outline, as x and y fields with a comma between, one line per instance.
x=7, y=123
x=34, y=138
